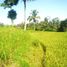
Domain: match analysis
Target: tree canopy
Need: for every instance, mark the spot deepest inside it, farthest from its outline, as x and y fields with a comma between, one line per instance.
x=12, y=14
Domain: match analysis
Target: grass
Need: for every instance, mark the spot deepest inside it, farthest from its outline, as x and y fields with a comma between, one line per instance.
x=20, y=48
x=17, y=48
x=56, y=47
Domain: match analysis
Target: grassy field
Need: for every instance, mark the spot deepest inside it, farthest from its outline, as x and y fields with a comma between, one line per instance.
x=20, y=48
x=56, y=47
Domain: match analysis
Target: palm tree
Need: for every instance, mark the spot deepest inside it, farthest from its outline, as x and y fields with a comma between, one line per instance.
x=25, y=13
x=34, y=17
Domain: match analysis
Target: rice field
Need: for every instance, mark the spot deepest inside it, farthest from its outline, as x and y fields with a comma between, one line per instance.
x=20, y=48
x=56, y=47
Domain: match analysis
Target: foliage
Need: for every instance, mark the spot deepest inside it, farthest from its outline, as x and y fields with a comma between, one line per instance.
x=26, y=48
x=17, y=48
x=1, y=24
x=63, y=26
x=11, y=2
x=56, y=47
x=34, y=17
x=12, y=15
x=54, y=25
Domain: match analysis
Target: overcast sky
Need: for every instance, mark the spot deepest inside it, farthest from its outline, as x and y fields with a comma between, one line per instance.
x=52, y=8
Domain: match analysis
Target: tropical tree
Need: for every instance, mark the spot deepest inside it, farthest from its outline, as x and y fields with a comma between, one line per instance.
x=12, y=15
x=63, y=26
x=10, y=3
x=55, y=23
x=33, y=17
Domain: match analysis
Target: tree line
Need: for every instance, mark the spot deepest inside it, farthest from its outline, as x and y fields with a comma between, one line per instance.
x=46, y=25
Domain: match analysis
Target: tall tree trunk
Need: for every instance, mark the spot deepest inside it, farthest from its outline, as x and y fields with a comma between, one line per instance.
x=34, y=23
x=12, y=22
x=24, y=15
x=34, y=26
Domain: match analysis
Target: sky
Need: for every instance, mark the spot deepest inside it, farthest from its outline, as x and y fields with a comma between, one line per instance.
x=51, y=8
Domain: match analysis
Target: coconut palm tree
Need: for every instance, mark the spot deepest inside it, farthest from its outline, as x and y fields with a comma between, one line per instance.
x=33, y=17
x=24, y=1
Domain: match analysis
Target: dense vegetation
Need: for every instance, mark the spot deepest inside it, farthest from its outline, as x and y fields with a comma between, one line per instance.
x=47, y=25
x=55, y=25
x=56, y=47
x=19, y=49
x=32, y=49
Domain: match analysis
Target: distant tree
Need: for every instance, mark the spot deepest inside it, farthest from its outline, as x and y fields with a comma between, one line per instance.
x=30, y=26
x=46, y=19
x=33, y=17
x=21, y=25
x=12, y=15
x=48, y=25
x=25, y=13
x=55, y=23
x=1, y=24
x=63, y=26
x=9, y=3
x=42, y=26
